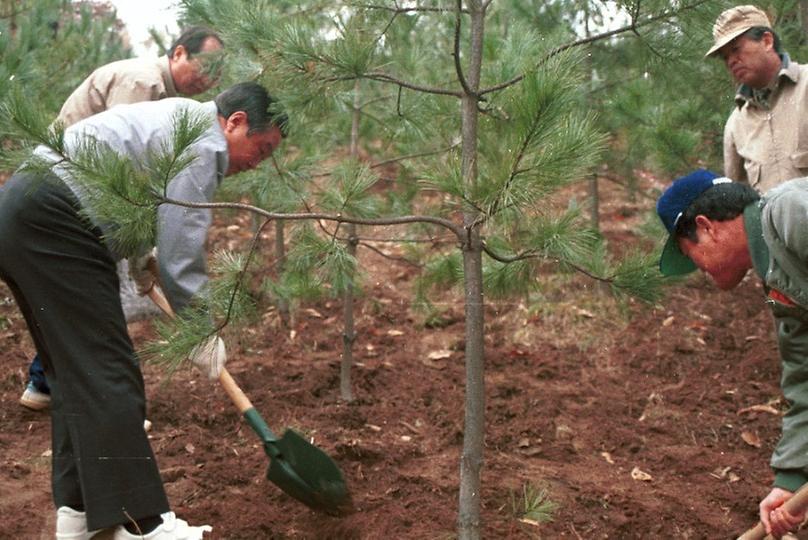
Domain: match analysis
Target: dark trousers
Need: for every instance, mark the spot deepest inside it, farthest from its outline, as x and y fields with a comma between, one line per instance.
x=66, y=285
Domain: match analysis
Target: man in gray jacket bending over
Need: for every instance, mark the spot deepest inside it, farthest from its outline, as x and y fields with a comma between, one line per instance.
x=61, y=268
x=187, y=69
x=725, y=228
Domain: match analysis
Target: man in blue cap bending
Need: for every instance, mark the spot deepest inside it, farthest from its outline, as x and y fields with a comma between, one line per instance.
x=725, y=228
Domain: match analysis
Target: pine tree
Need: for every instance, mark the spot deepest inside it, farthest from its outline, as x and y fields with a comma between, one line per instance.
x=469, y=98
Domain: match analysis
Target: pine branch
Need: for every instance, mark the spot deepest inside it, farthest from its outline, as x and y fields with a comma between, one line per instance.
x=337, y=218
x=456, y=53
x=242, y=274
x=384, y=77
x=390, y=257
x=533, y=254
x=427, y=153
x=534, y=126
x=404, y=10
x=597, y=37
x=414, y=156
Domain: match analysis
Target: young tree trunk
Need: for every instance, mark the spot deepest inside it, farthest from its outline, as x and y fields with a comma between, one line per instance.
x=594, y=195
x=594, y=202
x=349, y=333
x=804, y=18
x=471, y=460
x=280, y=261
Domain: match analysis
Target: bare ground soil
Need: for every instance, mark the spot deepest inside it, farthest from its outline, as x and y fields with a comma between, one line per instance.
x=636, y=423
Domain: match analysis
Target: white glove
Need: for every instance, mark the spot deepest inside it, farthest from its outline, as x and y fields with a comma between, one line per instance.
x=142, y=271
x=209, y=356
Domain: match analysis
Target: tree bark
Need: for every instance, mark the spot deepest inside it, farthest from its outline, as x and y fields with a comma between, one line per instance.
x=594, y=195
x=471, y=461
x=349, y=331
x=280, y=262
x=804, y=18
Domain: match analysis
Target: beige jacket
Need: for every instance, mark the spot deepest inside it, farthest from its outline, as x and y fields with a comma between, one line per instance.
x=124, y=81
x=766, y=147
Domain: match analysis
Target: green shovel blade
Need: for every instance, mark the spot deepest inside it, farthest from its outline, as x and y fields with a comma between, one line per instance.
x=302, y=470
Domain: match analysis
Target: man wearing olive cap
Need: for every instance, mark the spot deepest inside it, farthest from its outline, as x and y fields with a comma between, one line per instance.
x=726, y=228
x=766, y=136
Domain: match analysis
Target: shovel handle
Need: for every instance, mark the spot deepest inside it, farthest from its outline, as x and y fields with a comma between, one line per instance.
x=236, y=394
x=796, y=504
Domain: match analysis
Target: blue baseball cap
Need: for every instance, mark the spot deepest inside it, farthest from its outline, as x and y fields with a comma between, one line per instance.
x=670, y=207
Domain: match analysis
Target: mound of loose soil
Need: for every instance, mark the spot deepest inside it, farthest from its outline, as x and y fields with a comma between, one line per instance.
x=636, y=425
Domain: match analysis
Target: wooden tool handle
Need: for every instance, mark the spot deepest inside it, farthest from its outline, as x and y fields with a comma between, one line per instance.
x=237, y=395
x=796, y=504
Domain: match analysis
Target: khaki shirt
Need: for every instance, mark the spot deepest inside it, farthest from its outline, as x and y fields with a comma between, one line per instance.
x=767, y=146
x=125, y=81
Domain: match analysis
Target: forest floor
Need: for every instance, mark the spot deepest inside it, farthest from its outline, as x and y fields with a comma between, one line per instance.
x=646, y=422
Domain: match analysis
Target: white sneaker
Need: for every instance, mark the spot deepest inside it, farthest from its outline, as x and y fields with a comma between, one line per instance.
x=172, y=528
x=72, y=525
x=34, y=399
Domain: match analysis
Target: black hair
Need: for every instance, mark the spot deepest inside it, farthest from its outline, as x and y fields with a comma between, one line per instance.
x=756, y=34
x=261, y=108
x=193, y=39
x=721, y=202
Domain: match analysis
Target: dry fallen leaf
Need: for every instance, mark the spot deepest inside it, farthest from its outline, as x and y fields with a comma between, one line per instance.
x=523, y=443
x=439, y=355
x=608, y=457
x=668, y=321
x=642, y=476
x=725, y=474
x=720, y=473
x=751, y=439
x=395, y=333
x=314, y=313
x=190, y=448
x=760, y=408
x=532, y=522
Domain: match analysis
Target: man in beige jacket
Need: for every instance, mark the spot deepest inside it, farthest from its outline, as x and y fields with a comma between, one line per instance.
x=189, y=68
x=184, y=70
x=766, y=136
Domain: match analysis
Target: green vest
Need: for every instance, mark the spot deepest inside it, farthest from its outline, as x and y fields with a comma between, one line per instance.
x=777, y=231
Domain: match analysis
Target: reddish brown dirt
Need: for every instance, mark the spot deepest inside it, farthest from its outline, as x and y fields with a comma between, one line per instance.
x=579, y=395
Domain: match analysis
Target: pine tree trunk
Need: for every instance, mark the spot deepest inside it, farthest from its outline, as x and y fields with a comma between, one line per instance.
x=594, y=195
x=804, y=17
x=280, y=261
x=471, y=461
x=349, y=333
x=594, y=203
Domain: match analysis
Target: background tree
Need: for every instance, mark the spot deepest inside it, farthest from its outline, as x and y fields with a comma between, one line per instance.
x=50, y=46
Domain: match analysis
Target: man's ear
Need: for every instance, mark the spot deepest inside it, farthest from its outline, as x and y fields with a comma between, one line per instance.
x=705, y=225
x=768, y=40
x=179, y=52
x=236, y=120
